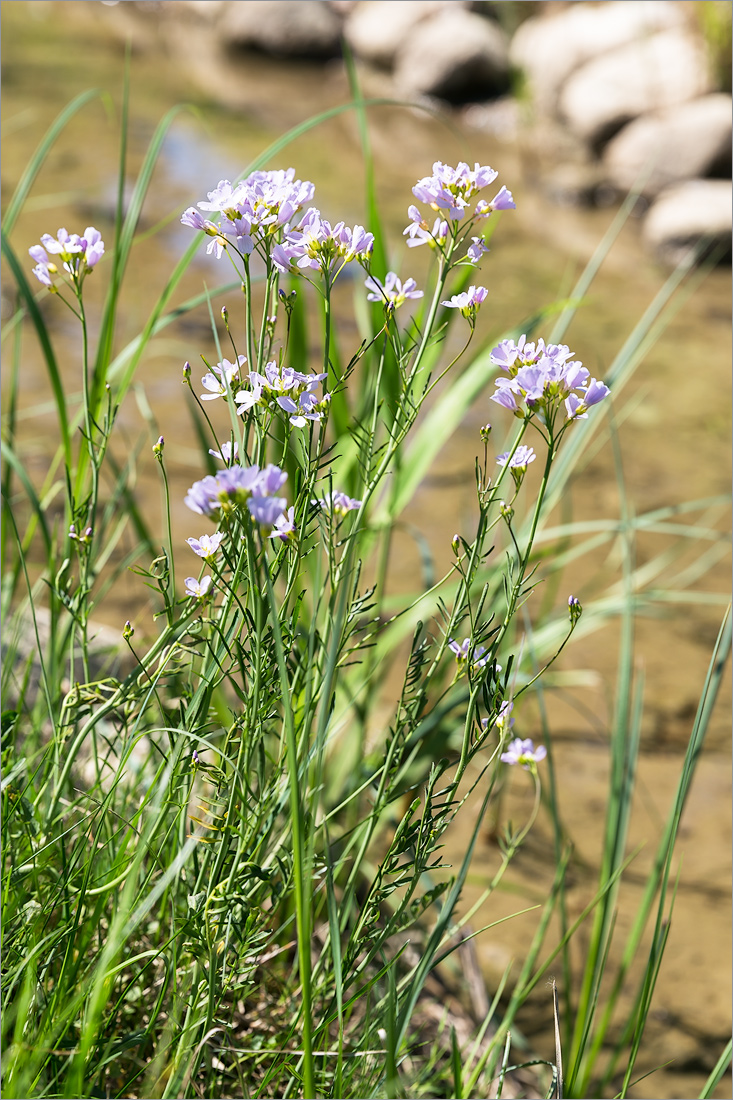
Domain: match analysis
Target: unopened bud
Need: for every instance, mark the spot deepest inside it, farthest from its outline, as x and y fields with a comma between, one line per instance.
x=456, y=544
x=575, y=609
x=485, y=433
x=128, y=631
x=195, y=757
x=224, y=314
x=158, y=447
x=187, y=373
x=506, y=511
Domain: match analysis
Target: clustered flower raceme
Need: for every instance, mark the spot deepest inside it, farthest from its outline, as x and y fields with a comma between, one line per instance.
x=286, y=388
x=236, y=487
x=541, y=377
x=252, y=211
x=315, y=243
x=450, y=192
x=78, y=255
x=261, y=212
x=393, y=293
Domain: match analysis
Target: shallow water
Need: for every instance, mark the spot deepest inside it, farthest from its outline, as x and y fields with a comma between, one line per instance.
x=673, y=419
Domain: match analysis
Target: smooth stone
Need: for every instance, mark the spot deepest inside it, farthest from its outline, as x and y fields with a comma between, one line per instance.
x=377, y=29
x=457, y=55
x=663, y=70
x=679, y=143
x=548, y=48
x=290, y=28
x=686, y=213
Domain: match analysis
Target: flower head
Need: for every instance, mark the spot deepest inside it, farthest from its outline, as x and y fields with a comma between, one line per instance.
x=287, y=389
x=252, y=211
x=198, y=589
x=78, y=254
x=207, y=545
x=227, y=454
x=267, y=511
x=338, y=504
x=232, y=488
x=284, y=527
x=468, y=302
x=541, y=377
x=524, y=753
x=392, y=292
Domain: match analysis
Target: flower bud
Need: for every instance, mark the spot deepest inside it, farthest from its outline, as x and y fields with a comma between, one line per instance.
x=485, y=432
x=456, y=544
x=506, y=511
x=158, y=447
x=128, y=631
x=575, y=609
x=224, y=317
x=187, y=373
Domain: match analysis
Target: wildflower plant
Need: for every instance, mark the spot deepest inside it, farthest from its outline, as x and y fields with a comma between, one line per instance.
x=285, y=836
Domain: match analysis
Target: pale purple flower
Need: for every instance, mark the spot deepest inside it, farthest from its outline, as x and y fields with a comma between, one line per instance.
x=502, y=201
x=266, y=511
x=202, y=497
x=284, y=527
x=468, y=302
x=227, y=454
x=338, y=504
x=199, y=589
x=520, y=459
x=477, y=249
x=523, y=752
x=270, y=480
x=418, y=231
x=207, y=545
x=232, y=487
x=79, y=254
x=392, y=292
x=465, y=649
x=307, y=407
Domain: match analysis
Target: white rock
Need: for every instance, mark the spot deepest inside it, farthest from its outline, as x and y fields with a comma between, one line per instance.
x=289, y=28
x=667, y=146
x=646, y=75
x=456, y=55
x=685, y=214
x=548, y=48
x=377, y=29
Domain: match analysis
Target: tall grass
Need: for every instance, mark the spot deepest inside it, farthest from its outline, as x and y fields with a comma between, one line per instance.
x=223, y=869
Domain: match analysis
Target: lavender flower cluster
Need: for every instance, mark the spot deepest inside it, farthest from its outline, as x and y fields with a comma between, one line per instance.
x=541, y=377
x=78, y=254
x=239, y=486
x=261, y=212
x=450, y=192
